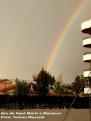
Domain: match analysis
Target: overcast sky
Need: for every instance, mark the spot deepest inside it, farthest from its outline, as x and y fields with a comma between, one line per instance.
x=28, y=32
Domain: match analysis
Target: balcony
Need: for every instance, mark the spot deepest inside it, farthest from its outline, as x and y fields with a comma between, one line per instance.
x=87, y=42
x=87, y=73
x=86, y=27
x=87, y=57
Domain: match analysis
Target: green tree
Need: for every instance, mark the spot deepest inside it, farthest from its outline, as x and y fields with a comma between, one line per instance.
x=21, y=87
x=44, y=82
x=77, y=84
x=68, y=90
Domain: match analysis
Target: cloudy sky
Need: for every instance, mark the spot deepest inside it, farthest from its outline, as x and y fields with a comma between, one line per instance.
x=29, y=30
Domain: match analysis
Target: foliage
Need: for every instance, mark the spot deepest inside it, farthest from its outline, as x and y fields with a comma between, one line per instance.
x=77, y=84
x=21, y=87
x=44, y=82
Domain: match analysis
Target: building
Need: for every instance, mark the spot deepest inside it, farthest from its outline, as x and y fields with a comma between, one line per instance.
x=86, y=28
x=6, y=86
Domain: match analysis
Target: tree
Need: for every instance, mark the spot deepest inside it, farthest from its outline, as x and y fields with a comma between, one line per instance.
x=44, y=82
x=21, y=87
x=68, y=90
x=77, y=84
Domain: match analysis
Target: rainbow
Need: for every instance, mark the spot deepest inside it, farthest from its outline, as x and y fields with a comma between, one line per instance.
x=63, y=32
